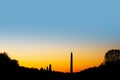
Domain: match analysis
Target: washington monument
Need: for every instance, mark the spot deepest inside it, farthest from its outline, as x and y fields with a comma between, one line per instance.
x=71, y=62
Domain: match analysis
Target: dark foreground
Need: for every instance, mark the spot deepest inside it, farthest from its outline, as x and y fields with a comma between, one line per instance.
x=96, y=73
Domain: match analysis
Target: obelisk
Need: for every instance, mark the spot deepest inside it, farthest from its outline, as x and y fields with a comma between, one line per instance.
x=71, y=62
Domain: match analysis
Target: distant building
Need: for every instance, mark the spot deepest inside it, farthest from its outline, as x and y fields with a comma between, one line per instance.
x=47, y=68
x=50, y=67
x=41, y=69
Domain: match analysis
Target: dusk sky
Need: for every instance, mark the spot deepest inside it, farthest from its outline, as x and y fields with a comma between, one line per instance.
x=42, y=32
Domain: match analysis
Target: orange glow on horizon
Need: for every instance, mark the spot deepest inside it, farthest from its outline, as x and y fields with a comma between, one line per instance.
x=59, y=57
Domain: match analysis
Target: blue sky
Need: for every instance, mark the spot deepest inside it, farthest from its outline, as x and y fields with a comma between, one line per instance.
x=63, y=13
x=65, y=19
x=59, y=22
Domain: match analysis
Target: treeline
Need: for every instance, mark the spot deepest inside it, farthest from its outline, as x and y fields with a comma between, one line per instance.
x=10, y=70
x=108, y=70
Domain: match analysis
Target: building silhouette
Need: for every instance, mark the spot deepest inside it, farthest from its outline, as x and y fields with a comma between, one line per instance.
x=50, y=67
x=71, y=62
x=47, y=68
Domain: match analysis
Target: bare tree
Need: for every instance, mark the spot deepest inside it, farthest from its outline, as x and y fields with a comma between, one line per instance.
x=112, y=57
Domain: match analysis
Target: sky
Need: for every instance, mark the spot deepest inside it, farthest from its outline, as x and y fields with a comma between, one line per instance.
x=42, y=32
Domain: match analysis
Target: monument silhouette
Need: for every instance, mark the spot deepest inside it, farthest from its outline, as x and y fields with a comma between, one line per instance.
x=71, y=62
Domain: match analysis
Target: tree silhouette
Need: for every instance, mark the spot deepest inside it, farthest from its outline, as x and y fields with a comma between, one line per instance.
x=14, y=62
x=112, y=57
x=4, y=58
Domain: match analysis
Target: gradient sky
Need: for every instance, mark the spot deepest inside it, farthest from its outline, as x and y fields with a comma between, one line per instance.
x=42, y=32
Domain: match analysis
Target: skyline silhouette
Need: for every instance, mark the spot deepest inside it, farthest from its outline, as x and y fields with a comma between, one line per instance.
x=109, y=69
x=111, y=55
